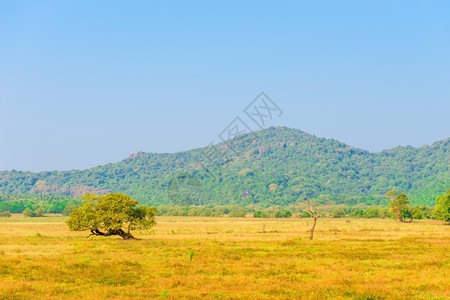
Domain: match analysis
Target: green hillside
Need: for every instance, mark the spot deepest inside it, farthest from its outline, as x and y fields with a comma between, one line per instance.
x=277, y=167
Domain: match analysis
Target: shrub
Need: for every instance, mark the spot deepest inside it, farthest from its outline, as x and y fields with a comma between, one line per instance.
x=260, y=214
x=5, y=214
x=237, y=213
x=384, y=212
x=206, y=213
x=28, y=213
x=338, y=213
x=358, y=213
x=216, y=214
x=427, y=211
x=305, y=214
x=39, y=212
x=372, y=212
x=226, y=210
x=33, y=214
x=282, y=214
x=417, y=213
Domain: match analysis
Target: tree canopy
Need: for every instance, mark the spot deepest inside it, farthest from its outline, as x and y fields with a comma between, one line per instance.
x=442, y=208
x=398, y=204
x=107, y=215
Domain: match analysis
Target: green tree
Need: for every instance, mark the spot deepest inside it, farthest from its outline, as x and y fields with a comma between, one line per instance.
x=384, y=212
x=398, y=204
x=356, y=213
x=282, y=214
x=372, y=212
x=28, y=213
x=39, y=212
x=442, y=208
x=417, y=213
x=237, y=213
x=68, y=209
x=109, y=214
x=260, y=214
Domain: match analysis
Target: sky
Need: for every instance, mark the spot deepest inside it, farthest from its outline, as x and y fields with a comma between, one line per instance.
x=84, y=83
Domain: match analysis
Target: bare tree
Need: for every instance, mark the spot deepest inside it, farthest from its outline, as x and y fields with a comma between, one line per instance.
x=315, y=210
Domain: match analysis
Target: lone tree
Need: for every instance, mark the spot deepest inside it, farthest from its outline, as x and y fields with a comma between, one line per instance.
x=442, y=208
x=107, y=215
x=398, y=204
x=315, y=210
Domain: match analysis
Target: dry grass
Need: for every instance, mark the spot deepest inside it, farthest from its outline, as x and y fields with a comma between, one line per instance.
x=232, y=259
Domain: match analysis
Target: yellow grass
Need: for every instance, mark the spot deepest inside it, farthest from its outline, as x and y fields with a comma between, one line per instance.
x=232, y=259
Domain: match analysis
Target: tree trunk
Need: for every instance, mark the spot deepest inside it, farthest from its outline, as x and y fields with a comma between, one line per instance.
x=125, y=235
x=119, y=232
x=311, y=236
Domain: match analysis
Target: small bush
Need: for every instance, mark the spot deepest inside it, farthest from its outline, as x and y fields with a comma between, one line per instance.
x=32, y=214
x=39, y=212
x=417, y=213
x=384, y=212
x=305, y=214
x=358, y=213
x=237, y=213
x=372, y=212
x=5, y=214
x=282, y=214
x=260, y=214
x=338, y=213
x=28, y=213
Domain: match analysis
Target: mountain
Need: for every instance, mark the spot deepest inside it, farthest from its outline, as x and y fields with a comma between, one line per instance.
x=274, y=166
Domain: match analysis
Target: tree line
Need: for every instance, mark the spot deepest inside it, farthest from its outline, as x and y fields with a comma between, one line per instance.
x=399, y=208
x=118, y=214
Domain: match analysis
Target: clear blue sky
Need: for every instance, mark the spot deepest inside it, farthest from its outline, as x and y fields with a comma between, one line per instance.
x=84, y=83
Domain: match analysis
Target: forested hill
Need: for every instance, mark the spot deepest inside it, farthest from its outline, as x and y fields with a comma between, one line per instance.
x=278, y=166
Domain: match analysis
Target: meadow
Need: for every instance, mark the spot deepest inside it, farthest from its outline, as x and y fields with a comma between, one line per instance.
x=227, y=258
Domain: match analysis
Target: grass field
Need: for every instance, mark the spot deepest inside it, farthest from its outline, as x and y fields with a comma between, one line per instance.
x=226, y=258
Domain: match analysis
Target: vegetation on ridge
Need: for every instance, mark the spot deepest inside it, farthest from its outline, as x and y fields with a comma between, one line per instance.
x=280, y=167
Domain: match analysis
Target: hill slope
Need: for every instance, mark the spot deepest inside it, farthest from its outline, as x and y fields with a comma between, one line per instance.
x=279, y=166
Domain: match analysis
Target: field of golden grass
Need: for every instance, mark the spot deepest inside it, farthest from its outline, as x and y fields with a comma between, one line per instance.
x=226, y=258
